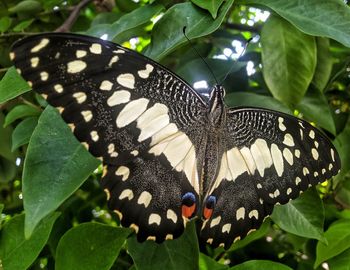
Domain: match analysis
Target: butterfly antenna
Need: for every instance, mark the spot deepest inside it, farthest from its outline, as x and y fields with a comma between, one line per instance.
x=244, y=49
x=201, y=57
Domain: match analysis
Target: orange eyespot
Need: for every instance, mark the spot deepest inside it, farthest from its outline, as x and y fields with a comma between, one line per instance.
x=188, y=211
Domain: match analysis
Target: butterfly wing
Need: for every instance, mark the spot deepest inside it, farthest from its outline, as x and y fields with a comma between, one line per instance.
x=270, y=158
x=138, y=117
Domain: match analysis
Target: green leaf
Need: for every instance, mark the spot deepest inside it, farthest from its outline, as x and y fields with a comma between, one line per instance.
x=1, y=208
x=167, y=32
x=342, y=193
x=338, y=237
x=207, y=263
x=181, y=253
x=5, y=140
x=254, y=100
x=261, y=232
x=324, y=64
x=303, y=216
x=260, y=265
x=23, y=131
x=12, y=85
x=7, y=170
x=287, y=69
x=340, y=262
x=342, y=143
x=90, y=246
x=5, y=23
x=329, y=18
x=26, y=6
x=55, y=166
x=17, y=252
x=22, y=25
x=20, y=111
x=127, y=22
x=315, y=107
x=211, y=5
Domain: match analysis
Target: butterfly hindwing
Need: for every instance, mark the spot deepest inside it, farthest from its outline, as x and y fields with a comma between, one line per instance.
x=270, y=158
x=135, y=115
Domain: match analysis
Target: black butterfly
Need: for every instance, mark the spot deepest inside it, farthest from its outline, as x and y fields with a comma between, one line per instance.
x=169, y=155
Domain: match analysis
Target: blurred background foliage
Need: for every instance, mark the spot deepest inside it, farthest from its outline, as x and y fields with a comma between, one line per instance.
x=297, y=62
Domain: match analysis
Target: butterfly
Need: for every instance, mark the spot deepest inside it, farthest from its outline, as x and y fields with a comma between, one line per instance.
x=169, y=154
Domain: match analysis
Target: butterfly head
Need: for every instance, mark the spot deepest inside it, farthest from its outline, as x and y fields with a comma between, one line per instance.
x=216, y=105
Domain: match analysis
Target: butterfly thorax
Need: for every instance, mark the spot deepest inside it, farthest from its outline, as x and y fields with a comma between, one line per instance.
x=217, y=113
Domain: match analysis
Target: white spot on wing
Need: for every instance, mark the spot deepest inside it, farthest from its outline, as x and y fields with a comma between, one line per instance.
x=87, y=115
x=131, y=111
x=96, y=48
x=226, y=228
x=119, y=97
x=261, y=155
x=249, y=160
x=94, y=135
x=314, y=153
x=44, y=75
x=113, y=60
x=312, y=134
x=170, y=214
x=126, y=193
x=34, y=62
x=287, y=154
x=277, y=159
x=332, y=155
x=215, y=221
x=144, y=74
x=80, y=97
x=288, y=140
x=145, y=198
x=111, y=150
x=80, y=53
x=126, y=80
x=106, y=85
x=297, y=180
x=297, y=153
x=123, y=171
x=254, y=213
x=240, y=213
x=76, y=66
x=154, y=218
x=281, y=126
x=42, y=44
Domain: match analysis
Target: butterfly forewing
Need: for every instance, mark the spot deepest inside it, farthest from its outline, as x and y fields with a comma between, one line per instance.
x=270, y=158
x=137, y=116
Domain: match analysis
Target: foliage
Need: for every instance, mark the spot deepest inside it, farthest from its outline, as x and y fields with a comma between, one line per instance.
x=54, y=214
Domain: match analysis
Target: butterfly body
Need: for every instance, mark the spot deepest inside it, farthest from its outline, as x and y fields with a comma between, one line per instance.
x=169, y=155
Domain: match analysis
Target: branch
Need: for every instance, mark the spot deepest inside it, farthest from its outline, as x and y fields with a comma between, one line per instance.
x=243, y=27
x=67, y=25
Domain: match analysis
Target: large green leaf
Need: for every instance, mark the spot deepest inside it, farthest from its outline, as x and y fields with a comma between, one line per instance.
x=287, y=69
x=167, y=32
x=340, y=262
x=12, y=85
x=338, y=237
x=55, y=166
x=329, y=18
x=127, y=22
x=303, y=216
x=211, y=5
x=17, y=252
x=260, y=265
x=90, y=246
x=315, y=107
x=181, y=253
x=324, y=64
x=23, y=132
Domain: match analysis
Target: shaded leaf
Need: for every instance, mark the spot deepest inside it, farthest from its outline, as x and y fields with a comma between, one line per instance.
x=20, y=111
x=17, y=252
x=181, y=253
x=5, y=23
x=342, y=143
x=22, y=25
x=338, y=238
x=7, y=170
x=167, y=32
x=55, y=166
x=23, y=131
x=287, y=69
x=303, y=216
x=324, y=64
x=90, y=246
x=315, y=107
x=259, y=265
x=318, y=18
x=211, y=5
x=246, y=99
x=12, y=85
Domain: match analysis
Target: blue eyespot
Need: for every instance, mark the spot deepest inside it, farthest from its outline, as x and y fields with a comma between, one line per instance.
x=188, y=199
x=211, y=201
